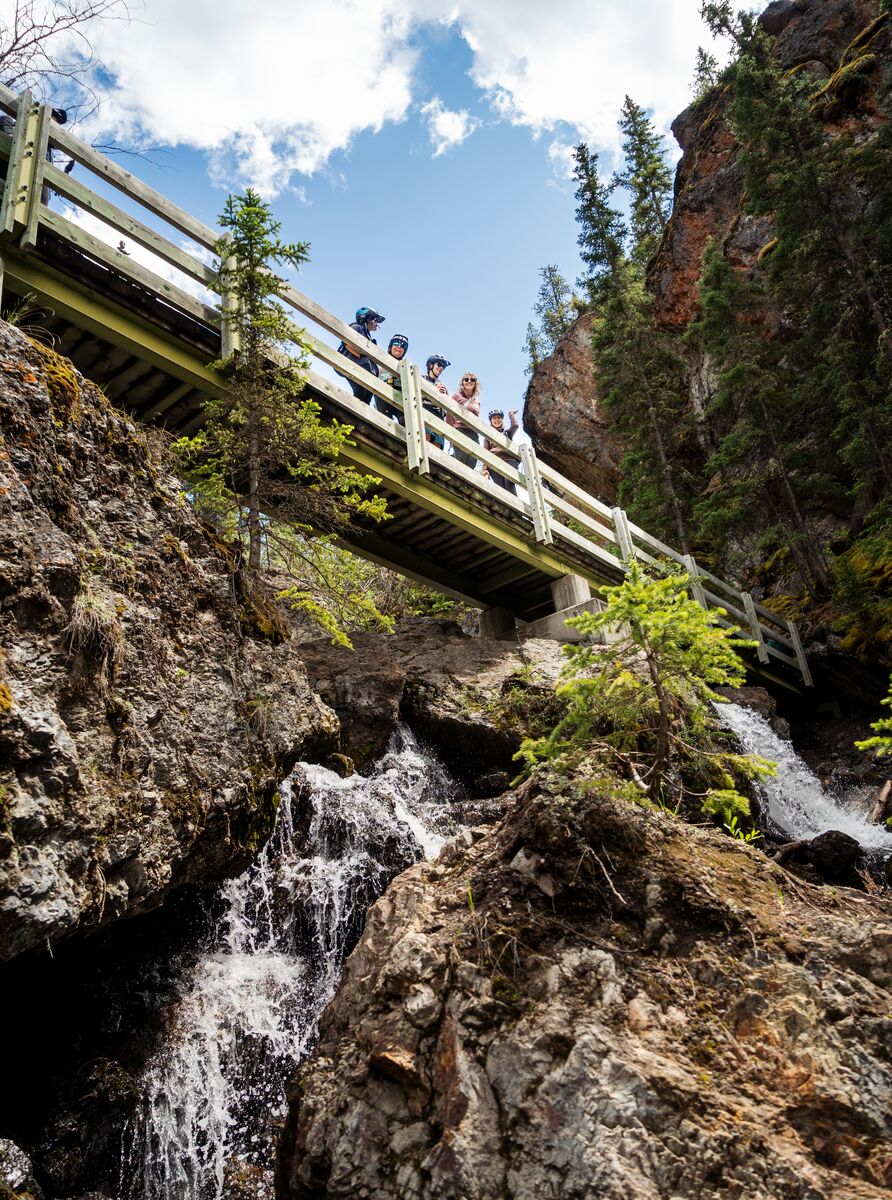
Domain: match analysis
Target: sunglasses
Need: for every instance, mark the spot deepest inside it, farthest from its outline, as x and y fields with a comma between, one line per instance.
x=469, y=378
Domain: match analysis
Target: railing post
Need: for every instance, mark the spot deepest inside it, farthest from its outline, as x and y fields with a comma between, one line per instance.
x=413, y=416
x=800, y=654
x=35, y=196
x=623, y=535
x=694, y=575
x=20, y=169
x=749, y=606
x=230, y=339
x=538, y=508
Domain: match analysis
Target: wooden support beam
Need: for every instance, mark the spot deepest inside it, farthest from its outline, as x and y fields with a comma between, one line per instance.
x=694, y=575
x=538, y=507
x=20, y=168
x=623, y=535
x=756, y=628
x=34, y=197
x=413, y=419
x=174, y=397
x=800, y=654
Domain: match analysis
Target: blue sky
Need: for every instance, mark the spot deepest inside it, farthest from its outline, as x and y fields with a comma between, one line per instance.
x=420, y=147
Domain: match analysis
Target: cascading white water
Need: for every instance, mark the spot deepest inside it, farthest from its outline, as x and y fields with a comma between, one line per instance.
x=246, y=1013
x=795, y=799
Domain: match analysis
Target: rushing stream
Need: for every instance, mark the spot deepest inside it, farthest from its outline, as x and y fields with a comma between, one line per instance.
x=245, y=1014
x=796, y=802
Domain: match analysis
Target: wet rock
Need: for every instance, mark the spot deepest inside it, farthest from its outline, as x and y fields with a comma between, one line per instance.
x=568, y=1056
x=445, y=684
x=17, y=1180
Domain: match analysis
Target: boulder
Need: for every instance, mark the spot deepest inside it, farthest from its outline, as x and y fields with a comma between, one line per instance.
x=592, y=999
x=564, y=417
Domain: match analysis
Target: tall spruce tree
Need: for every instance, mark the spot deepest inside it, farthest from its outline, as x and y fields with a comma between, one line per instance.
x=763, y=449
x=647, y=178
x=639, y=374
x=602, y=231
x=264, y=459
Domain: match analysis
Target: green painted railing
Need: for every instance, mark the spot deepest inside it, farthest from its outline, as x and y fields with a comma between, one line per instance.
x=555, y=510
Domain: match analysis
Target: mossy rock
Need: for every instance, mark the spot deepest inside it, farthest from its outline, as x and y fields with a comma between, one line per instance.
x=61, y=383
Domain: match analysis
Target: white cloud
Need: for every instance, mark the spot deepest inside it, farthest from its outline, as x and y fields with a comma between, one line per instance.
x=560, y=155
x=271, y=91
x=445, y=127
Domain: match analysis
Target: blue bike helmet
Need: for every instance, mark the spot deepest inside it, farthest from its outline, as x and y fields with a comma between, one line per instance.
x=364, y=315
x=398, y=339
x=437, y=358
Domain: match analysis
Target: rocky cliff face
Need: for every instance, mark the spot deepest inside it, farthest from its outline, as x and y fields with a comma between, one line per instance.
x=454, y=690
x=811, y=36
x=142, y=732
x=563, y=416
x=589, y=999
x=561, y=413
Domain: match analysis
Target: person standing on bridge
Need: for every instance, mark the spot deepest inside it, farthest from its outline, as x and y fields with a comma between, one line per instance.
x=497, y=420
x=436, y=365
x=367, y=321
x=468, y=398
x=398, y=348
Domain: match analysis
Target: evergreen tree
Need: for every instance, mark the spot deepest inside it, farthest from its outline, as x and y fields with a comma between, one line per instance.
x=556, y=307
x=647, y=178
x=822, y=284
x=533, y=348
x=602, y=232
x=706, y=73
x=763, y=448
x=641, y=380
x=643, y=703
x=264, y=454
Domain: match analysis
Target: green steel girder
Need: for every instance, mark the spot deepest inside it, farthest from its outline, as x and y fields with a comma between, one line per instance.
x=89, y=310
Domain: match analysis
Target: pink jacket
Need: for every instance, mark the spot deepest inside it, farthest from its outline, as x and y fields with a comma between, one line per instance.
x=471, y=405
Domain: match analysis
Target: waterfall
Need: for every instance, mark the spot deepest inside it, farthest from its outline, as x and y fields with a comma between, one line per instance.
x=795, y=800
x=245, y=1014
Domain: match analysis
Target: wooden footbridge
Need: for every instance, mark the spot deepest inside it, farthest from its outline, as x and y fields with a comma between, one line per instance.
x=127, y=295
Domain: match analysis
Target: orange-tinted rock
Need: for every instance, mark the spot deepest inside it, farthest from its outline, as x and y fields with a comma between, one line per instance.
x=564, y=417
x=812, y=36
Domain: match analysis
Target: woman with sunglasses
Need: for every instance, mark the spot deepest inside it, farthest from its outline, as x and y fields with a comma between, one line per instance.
x=468, y=398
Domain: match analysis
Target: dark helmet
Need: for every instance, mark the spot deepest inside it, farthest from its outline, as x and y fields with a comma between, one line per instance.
x=437, y=358
x=496, y=412
x=398, y=339
x=364, y=315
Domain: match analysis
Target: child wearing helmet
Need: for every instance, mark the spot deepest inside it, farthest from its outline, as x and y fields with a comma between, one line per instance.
x=367, y=321
x=398, y=348
x=436, y=365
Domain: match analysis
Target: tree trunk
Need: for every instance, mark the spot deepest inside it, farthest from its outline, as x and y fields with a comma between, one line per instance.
x=661, y=754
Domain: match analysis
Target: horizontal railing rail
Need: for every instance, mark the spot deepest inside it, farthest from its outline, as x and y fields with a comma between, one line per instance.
x=588, y=534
